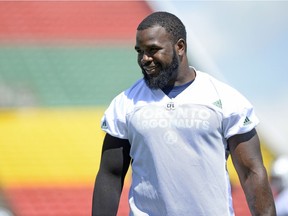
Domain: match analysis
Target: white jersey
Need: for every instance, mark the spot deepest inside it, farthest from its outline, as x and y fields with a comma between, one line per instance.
x=281, y=203
x=179, y=146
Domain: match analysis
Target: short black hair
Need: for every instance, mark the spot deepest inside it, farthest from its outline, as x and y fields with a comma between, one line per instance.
x=171, y=23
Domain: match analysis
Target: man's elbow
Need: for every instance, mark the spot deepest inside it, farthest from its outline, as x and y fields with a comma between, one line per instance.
x=255, y=176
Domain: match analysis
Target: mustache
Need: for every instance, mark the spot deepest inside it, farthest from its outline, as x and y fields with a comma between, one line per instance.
x=165, y=75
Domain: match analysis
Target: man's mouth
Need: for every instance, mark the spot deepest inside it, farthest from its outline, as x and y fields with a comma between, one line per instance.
x=151, y=70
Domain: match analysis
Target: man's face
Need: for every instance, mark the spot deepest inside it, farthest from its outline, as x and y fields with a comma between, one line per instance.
x=156, y=57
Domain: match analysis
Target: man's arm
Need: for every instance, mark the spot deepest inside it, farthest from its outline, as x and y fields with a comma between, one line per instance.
x=247, y=159
x=115, y=161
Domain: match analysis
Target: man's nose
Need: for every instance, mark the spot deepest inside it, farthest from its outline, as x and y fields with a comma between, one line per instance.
x=146, y=58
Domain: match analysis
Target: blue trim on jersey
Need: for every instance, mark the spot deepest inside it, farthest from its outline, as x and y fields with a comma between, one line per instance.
x=173, y=91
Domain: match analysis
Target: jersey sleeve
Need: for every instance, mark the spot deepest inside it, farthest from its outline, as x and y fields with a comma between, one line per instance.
x=114, y=120
x=239, y=114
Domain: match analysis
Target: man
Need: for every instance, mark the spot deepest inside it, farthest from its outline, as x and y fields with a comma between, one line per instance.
x=279, y=184
x=177, y=127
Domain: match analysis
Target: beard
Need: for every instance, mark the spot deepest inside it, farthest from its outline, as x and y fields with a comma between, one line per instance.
x=164, y=77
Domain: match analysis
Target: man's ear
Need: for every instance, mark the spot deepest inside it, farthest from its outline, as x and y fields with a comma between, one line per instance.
x=180, y=47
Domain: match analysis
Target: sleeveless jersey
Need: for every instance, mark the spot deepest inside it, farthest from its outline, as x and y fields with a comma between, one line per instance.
x=179, y=145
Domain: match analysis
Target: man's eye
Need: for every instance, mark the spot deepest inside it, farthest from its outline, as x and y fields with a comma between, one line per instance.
x=138, y=51
x=153, y=50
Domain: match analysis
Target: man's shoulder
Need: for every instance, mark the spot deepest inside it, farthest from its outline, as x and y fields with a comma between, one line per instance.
x=217, y=83
x=228, y=95
x=137, y=86
x=204, y=76
x=138, y=89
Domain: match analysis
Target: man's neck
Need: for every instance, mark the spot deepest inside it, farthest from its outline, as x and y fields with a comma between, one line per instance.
x=184, y=76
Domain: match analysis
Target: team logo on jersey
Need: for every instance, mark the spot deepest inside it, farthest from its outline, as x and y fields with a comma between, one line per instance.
x=170, y=137
x=170, y=106
x=182, y=117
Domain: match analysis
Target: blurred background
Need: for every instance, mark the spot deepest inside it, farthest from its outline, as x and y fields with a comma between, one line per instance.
x=61, y=63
